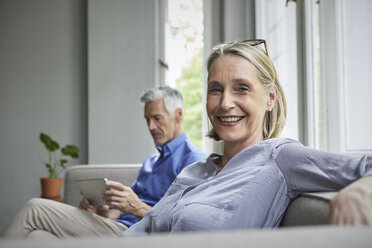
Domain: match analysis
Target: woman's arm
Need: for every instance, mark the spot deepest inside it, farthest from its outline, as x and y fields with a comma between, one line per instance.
x=308, y=170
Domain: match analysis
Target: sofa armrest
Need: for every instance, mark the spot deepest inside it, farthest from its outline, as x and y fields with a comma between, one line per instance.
x=123, y=173
x=309, y=209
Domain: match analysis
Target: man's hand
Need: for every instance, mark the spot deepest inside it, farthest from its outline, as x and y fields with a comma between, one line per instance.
x=100, y=210
x=353, y=204
x=123, y=198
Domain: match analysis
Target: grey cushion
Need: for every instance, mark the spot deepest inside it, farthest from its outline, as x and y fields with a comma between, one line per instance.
x=309, y=209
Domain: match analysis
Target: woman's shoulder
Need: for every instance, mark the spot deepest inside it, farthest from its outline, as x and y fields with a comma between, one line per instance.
x=284, y=145
x=199, y=168
x=280, y=141
x=269, y=146
x=280, y=144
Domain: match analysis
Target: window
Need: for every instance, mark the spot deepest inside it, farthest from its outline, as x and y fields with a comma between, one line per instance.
x=321, y=52
x=184, y=58
x=345, y=62
x=276, y=23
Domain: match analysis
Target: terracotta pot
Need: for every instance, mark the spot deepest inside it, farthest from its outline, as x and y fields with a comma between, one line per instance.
x=51, y=188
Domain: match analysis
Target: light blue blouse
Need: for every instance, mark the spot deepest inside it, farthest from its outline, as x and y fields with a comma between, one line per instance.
x=253, y=190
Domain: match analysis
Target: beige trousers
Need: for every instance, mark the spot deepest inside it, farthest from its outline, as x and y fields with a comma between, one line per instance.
x=46, y=218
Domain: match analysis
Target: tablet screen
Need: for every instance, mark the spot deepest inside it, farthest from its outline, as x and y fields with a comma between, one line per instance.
x=92, y=189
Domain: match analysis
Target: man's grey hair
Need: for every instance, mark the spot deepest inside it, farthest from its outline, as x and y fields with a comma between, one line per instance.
x=172, y=97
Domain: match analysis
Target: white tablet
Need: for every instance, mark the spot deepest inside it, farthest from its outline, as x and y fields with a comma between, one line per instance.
x=92, y=189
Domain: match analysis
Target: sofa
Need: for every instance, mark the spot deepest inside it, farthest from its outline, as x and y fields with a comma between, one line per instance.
x=304, y=224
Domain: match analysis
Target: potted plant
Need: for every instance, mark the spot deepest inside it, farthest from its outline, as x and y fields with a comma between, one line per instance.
x=51, y=185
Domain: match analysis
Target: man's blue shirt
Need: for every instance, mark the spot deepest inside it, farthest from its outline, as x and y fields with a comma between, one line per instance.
x=159, y=171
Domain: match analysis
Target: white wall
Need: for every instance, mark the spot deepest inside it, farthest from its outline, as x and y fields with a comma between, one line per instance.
x=121, y=65
x=50, y=81
x=42, y=88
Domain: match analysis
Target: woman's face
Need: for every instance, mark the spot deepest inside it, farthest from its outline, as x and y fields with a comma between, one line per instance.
x=237, y=101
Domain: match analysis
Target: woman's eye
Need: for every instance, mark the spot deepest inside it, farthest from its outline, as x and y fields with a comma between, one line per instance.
x=242, y=89
x=214, y=90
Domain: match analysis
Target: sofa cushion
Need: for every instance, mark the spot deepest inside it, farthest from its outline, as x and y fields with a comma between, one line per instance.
x=309, y=209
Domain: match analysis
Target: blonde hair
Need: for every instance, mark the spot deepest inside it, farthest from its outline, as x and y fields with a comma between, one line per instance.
x=274, y=120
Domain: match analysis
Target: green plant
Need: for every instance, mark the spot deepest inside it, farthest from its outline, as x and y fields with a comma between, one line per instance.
x=57, y=164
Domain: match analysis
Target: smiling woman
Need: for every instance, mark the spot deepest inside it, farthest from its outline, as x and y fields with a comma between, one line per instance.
x=252, y=183
x=251, y=75
x=243, y=89
x=237, y=102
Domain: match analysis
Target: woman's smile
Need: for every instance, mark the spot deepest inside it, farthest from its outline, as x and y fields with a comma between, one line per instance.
x=230, y=120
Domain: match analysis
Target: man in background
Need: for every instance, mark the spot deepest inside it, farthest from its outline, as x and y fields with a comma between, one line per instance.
x=125, y=205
